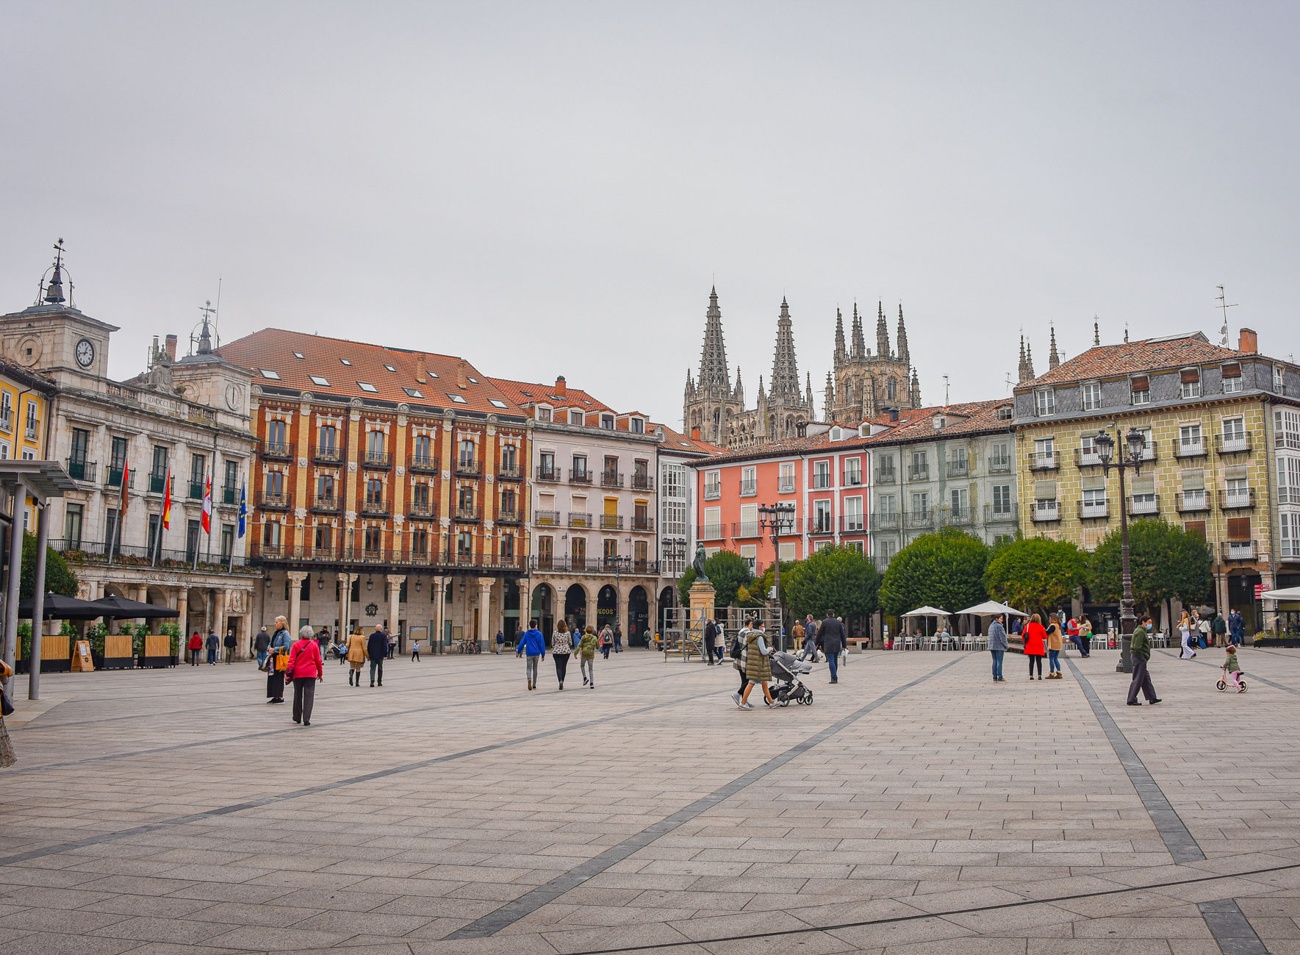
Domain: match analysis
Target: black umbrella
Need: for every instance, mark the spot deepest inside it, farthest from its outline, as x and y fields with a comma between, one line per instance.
x=122, y=608
x=58, y=607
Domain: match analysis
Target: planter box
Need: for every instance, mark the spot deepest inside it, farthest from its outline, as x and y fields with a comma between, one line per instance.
x=56, y=656
x=118, y=653
x=1286, y=642
x=157, y=652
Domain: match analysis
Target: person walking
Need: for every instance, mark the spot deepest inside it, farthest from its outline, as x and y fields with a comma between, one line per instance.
x=196, y=645
x=831, y=633
x=1140, y=651
x=1220, y=627
x=739, y=650
x=377, y=651
x=1185, y=634
x=306, y=669
x=997, y=646
x=1055, y=641
x=710, y=634
x=606, y=640
x=1237, y=627
x=561, y=650
x=1035, y=645
x=501, y=642
x=279, y=646
x=1085, y=637
x=7, y=755
x=213, y=645
x=356, y=656
x=586, y=651
x=230, y=647
x=758, y=668
x=533, y=644
x=719, y=645
x=261, y=647
x=618, y=638
x=1204, y=633
x=415, y=650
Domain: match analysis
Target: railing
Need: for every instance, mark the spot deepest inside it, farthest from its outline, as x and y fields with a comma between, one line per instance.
x=421, y=512
x=229, y=495
x=275, y=502
x=1046, y=511
x=1094, y=511
x=33, y=428
x=6, y=424
x=360, y=553
x=785, y=487
x=993, y=514
x=748, y=488
x=643, y=524
x=710, y=532
x=467, y=513
x=579, y=477
x=468, y=467
x=888, y=476
x=196, y=489
x=83, y=470
x=377, y=459
x=114, y=477
x=999, y=465
x=1232, y=443
x=276, y=450
x=852, y=524
x=642, y=482
x=960, y=518
x=959, y=468
x=852, y=478
x=712, y=492
x=157, y=483
x=1044, y=461
x=918, y=472
x=1189, y=449
x=423, y=464
x=746, y=529
x=577, y=519
x=1086, y=459
x=1148, y=451
x=820, y=481
x=511, y=516
x=919, y=519
x=886, y=522
x=510, y=473
x=821, y=525
x=330, y=454
x=611, y=522
x=548, y=474
x=613, y=566
x=611, y=479
x=325, y=504
x=1237, y=500
x=1190, y=501
x=375, y=508
x=1145, y=505
x=546, y=518
x=96, y=552
x=1238, y=550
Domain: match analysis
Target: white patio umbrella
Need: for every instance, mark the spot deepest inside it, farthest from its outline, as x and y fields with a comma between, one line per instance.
x=928, y=611
x=1286, y=593
x=991, y=608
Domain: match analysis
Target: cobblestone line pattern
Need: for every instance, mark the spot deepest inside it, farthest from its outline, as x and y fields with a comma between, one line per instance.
x=544, y=894
x=1231, y=929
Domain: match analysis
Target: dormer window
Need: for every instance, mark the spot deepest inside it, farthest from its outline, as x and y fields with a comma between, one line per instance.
x=1091, y=391
x=543, y=413
x=1140, y=390
x=1231, y=375
x=1044, y=402
x=637, y=425
x=1190, y=379
x=607, y=422
x=577, y=418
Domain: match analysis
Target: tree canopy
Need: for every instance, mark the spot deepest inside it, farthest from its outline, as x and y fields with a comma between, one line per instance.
x=727, y=572
x=58, y=578
x=1167, y=563
x=1035, y=573
x=945, y=569
x=834, y=578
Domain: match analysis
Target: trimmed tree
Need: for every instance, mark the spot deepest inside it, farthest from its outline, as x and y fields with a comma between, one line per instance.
x=1035, y=573
x=1166, y=562
x=58, y=578
x=944, y=569
x=834, y=578
x=727, y=573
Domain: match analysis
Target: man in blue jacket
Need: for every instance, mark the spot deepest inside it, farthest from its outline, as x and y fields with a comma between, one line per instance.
x=533, y=644
x=377, y=651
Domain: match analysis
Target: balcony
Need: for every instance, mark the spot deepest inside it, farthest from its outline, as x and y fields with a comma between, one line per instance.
x=157, y=483
x=612, y=566
x=1148, y=451
x=1237, y=500
x=961, y=518
x=550, y=475
x=821, y=525
x=712, y=492
x=328, y=455
x=886, y=522
x=7, y=423
x=1086, y=458
x=1238, y=550
x=1190, y=502
x=79, y=469
x=920, y=520
x=1097, y=510
x=611, y=522
x=229, y=495
x=579, y=476
x=276, y=450
x=999, y=465
x=510, y=516
x=643, y=523
x=852, y=524
x=748, y=488
x=643, y=482
x=196, y=489
x=746, y=529
x=421, y=511
x=275, y=502
x=579, y=520
x=611, y=479
x=377, y=460
x=468, y=467
x=423, y=464
x=1232, y=443
x=1001, y=514
x=1190, y=449
x=33, y=428
x=785, y=486
x=546, y=518
x=710, y=532
x=959, y=468
x=375, y=509
x=919, y=472
x=510, y=472
x=1044, y=461
x=1046, y=511
x=114, y=477
x=325, y=504
x=1146, y=505
x=885, y=476
x=467, y=513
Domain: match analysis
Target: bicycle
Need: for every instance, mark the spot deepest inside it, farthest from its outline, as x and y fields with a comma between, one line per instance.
x=1224, y=681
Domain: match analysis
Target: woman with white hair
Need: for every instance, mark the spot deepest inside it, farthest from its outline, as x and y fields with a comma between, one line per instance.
x=306, y=669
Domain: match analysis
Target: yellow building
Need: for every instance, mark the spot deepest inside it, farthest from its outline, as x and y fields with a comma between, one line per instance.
x=24, y=413
x=1221, y=426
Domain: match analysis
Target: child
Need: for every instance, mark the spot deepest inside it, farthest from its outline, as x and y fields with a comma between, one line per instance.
x=587, y=651
x=1233, y=667
x=415, y=651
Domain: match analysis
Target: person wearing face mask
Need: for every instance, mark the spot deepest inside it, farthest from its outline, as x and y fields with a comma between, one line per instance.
x=1140, y=650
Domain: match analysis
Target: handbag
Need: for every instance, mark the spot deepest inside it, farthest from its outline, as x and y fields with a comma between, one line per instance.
x=281, y=661
x=6, y=704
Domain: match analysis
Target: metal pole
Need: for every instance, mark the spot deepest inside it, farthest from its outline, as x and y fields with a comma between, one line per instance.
x=19, y=498
x=38, y=602
x=1127, y=617
x=776, y=582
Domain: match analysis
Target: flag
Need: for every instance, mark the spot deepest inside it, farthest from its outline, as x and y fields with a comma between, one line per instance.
x=243, y=509
x=126, y=481
x=207, y=507
x=167, y=503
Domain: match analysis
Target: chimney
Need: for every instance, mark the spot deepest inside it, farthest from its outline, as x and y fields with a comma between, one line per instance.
x=1248, y=341
x=171, y=347
x=893, y=413
x=420, y=369
x=561, y=386
x=462, y=380
x=695, y=432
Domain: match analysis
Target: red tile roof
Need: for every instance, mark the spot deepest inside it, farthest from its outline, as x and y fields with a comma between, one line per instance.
x=974, y=417
x=1150, y=354
x=432, y=379
x=675, y=441
x=528, y=394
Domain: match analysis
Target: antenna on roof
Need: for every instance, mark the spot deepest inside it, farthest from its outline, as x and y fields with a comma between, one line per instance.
x=945, y=391
x=1223, y=304
x=1010, y=384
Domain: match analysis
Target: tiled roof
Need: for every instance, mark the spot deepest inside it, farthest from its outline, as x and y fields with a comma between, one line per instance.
x=683, y=443
x=1150, y=354
x=27, y=377
x=335, y=366
x=527, y=393
x=974, y=417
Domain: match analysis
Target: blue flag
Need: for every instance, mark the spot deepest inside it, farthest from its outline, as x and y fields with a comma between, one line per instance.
x=243, y=509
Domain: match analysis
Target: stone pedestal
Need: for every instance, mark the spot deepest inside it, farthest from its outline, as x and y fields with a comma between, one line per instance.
x=702, y=595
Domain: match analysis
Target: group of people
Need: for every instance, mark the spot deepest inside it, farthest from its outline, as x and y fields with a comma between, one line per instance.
x=752, y=655
x=1201, y=631
x=213, y=644
x=583, y=641
x=1039, y=642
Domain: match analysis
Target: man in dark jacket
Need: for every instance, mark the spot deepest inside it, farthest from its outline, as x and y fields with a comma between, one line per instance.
x=1140, y=649
x=710, y=634
x=377, y=652
x=831, y=636
x=230, y=646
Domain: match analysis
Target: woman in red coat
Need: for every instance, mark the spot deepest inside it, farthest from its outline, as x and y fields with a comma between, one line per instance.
x=195, y=645
x=306, y=668
x=1035, y=645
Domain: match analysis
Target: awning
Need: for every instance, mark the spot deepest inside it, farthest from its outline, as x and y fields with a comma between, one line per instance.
x=122, y=608
x=58, y=607
x=991, y=608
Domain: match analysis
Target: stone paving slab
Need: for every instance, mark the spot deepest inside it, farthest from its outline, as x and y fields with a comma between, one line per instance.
x=916, y=807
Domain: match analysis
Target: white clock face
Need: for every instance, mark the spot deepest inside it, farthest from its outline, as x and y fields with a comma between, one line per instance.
x=85, y=353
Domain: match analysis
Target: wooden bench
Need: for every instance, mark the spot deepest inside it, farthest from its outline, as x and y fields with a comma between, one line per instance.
x=858, y=643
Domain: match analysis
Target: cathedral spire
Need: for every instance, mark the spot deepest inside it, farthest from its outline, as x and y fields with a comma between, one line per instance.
x=739, y=393
x=915, y=390
x=882, y=332
x=785, y=369
x=1021, y=378
x=808, y=395
x=903, y=354
x=859, y=347
x=830, y=395
x=840, y=353
x=1053, y=359
x=1029, y=362
x=714, y=378
x=1096, y=332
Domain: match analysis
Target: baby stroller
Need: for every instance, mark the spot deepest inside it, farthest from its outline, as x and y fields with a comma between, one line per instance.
x=786, y=685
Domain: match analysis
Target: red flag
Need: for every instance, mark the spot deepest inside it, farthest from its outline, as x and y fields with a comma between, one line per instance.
x=207, y=507
x=126, y=482
x=167, y=504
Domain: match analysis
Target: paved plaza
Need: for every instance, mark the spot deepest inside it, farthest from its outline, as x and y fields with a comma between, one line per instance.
x=914, y=808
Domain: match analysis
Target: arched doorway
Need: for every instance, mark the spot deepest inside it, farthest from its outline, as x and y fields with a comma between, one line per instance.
x=667, y=600
x=510, y=608
x=575, y=606
x=606, y=607
x=638, y=617
x=542, y=608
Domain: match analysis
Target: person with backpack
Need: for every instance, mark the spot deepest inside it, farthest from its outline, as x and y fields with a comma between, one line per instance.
x=606, y=641
x=587, y=655
x=710, y=635
x=533, y=645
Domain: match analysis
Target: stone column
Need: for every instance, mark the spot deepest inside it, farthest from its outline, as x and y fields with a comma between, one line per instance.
x=219, y=619
x=183, y=609
x=437, y=591
x=484, y=605
x=296, y=578
x=395, y=582
x=142, y=595
x=345, y=600
x=702, y=594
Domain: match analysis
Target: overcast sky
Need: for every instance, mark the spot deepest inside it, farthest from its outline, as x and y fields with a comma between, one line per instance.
x=550, y=188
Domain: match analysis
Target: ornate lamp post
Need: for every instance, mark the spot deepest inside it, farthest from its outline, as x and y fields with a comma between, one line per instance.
x=1130, y=457
x=777, y=519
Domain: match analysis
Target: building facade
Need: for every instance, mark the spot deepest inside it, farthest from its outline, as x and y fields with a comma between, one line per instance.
x=864, y=385
x=677, y=502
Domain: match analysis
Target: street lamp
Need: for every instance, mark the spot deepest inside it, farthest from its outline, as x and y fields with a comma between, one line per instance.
x=776, y=519
x=1130, y=457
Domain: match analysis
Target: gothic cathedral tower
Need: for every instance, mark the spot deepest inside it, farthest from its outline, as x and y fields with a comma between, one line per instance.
x=710, y=403
x=865, y=383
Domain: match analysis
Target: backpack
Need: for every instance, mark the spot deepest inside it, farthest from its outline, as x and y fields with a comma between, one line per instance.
x=736, y=647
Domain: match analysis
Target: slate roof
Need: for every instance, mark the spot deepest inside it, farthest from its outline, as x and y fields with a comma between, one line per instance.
x=1150, y=354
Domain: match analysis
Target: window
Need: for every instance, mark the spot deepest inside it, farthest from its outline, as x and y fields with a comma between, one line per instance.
x=1231, y=375
x=1094, y=502
x=749, y=554
x=1002, y=500
x=821, y=517
x=375, y=447
x=158, y=475
x=367, y=386
x=231, y=490
x=1239, y=529
x=920, y=469
x=1091, y=395
x=6, y=412
x=277, y=436
x=887, y=506
x=853, y=472
x=607, y=422
x=422, y=451
x=110, y=528
x=497, y=403
x=920, y=506
x=1196, y=528
x=712, y=485
x=198, y=473
x=374, y=492
x=327, y=439
x=786, y=479
x=959, y=503
x=1190, y=382
x=543, y=413
x=546, y=466
x=72, y=515
x=413, y=392
x=885, y=469
x=268, y=373
x=579, y=470
x=1148, y=445
x=32, y=421
x=1044, y=454
x=319, y=380
x=712, y=529
x=373, y=541
x=1289, y=524
x=1144, y=495
x=1288, y=479
x=456, y=399
x=1279, y=379
x=748, y=481
x=853, y=514
x=325, y=489
x=1193, y=498
x=577, y=418
x=468, y=456
x=1286, y=426
x=1044, y=402
x=1140, y=390
x=1234, y=434
x=1088, y=450
x=637, y=425
x=270, y=535
x=465, y=499
x=274, y=485
x=958, y=462
x=1190, y=442
x=345, y=361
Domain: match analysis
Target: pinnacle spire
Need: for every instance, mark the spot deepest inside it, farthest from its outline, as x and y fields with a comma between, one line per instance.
x=859, y=347
x=830, y=394
x=808, y=395
x=1029, y=362
x=882, y=332
x=903, y=354
x=1096, y=332
x=840, y=352
x=1053, y=358
x=714, y=378
x=915, y=390
x=739, y=393
x=785, y=368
